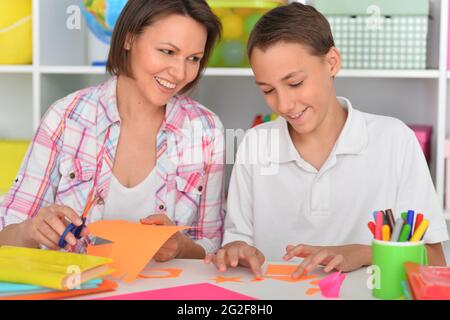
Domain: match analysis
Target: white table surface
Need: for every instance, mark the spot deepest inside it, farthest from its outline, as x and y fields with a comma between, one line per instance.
x=354, y=286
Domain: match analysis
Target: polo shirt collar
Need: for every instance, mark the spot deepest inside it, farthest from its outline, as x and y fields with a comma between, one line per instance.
x=353, y=138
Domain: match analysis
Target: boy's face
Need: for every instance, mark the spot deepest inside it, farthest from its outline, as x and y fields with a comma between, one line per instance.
x=166, y=57
x=296, y=84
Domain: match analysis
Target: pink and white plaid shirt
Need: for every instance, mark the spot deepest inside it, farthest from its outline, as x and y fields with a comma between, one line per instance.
x=61, y=162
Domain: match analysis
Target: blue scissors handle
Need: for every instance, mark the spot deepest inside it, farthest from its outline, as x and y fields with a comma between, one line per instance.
x=72, y=229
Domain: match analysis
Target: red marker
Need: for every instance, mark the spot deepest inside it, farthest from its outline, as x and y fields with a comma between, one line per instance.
x=379, y=225
x=419, y=219
x=371, y=226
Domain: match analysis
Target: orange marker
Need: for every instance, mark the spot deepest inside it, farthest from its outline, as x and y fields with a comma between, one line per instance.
x=386, y=233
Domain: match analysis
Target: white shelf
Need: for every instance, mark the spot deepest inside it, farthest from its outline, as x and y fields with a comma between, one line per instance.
x=237, y=72
x=71, y=70
x=16, y=69
x=411, y=74
x=227, y=72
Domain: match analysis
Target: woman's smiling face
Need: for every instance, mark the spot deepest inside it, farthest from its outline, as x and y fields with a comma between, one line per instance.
x=166, y=57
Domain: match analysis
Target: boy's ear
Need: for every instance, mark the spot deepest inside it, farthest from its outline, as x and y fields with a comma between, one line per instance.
x=333, y=60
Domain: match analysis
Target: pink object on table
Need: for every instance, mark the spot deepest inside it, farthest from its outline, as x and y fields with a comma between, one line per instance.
x=423, y=134
x=330, y=286
x=201, y=291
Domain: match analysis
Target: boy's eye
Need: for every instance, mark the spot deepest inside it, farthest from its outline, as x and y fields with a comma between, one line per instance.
x=295, y=85
x=267, y=91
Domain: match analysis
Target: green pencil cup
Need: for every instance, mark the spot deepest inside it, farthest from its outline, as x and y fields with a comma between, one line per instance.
x=388, y=271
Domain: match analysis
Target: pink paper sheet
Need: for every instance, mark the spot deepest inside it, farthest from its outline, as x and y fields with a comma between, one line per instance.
x=201, y=291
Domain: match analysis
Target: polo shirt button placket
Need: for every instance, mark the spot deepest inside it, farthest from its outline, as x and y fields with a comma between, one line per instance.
x=320, y=195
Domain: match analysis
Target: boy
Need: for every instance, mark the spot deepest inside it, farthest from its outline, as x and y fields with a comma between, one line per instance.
x=334, y=164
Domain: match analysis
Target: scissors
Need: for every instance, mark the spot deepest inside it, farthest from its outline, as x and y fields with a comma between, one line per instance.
x=76, y=231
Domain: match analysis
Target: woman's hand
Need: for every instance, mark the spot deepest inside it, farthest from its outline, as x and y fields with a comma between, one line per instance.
x=49, y=224
x=342, y=258
x=237, y=253
x=173, y=247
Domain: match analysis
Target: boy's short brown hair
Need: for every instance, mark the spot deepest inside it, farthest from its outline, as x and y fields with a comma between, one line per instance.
x=294, y=23
x=139, y=14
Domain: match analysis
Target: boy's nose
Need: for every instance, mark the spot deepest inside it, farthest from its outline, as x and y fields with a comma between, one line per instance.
x=285, y=106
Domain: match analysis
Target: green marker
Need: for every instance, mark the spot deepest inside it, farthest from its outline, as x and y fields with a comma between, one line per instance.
x=405, y=233
x=404, y=215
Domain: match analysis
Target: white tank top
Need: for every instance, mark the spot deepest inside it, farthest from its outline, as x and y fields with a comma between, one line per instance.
x=130, y=204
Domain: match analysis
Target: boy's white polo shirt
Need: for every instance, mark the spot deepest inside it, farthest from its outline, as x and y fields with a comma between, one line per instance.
x=280, y=199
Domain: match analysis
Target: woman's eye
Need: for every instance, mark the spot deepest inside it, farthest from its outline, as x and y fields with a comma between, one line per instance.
x=195, y=59
x=267, y=91
x=166, y=51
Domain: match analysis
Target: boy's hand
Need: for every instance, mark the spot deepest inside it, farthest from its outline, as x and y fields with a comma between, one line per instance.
x=342, y=258
x=237, y=253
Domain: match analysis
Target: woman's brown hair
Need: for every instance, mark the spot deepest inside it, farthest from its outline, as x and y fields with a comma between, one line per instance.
x=295, y=23
x=139, y=14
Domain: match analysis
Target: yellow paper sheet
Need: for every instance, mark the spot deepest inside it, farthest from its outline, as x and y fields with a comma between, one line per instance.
x=45, y=268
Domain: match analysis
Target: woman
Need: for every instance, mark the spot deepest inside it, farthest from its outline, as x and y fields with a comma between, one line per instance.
x=148, y=153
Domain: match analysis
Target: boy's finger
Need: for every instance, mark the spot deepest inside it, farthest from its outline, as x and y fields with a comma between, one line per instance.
x=301, y=268
x=208, y=258
x=255, y=266
x=317, y=259
x=220, y=260
x=334, y=263
x=294, y=251
x=233, y=256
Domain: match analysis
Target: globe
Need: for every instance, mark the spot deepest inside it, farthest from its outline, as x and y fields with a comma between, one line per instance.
x=101, y=16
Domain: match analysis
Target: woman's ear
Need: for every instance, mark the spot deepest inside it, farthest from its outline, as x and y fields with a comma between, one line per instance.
x=333, y=61
x=128, y=42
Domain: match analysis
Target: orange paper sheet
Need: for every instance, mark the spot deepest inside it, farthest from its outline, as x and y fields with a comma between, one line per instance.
x=170, y=273
x=312, y=291
x=290, y=279
x=279, y=269
x=104, y=287
x=220, y=279
x=134, y=245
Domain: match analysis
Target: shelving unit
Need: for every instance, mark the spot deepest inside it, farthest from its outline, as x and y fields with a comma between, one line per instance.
x=60, y=67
